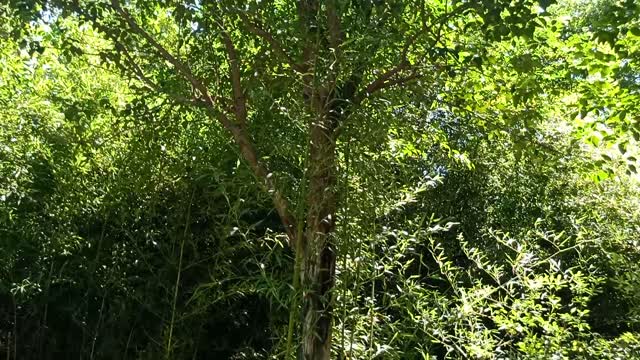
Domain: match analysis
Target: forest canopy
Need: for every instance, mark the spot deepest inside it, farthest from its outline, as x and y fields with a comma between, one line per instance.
x=319, y=179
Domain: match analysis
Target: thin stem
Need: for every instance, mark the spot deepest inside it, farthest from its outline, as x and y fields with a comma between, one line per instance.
x=15, y=328
x=373, y=291
x=356, y=292
x=298, y=261
x=175, y=290
x=95, y=335
x=126, y=347
x=43, y=324
x=347, y=237
x=371, y=312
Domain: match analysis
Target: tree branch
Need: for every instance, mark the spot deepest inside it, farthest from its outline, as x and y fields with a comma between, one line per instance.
x=239, y=100
x=386, y=79
x=383, y=79
x=267, y=182
x=403, y=80
x=258, y=30
x=135, y=69
x=334, y=26
x=307, y=20
x=246, y=146
x=180, y=66
x=237, y=130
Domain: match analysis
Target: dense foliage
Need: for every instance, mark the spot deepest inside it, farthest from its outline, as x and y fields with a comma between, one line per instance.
x=177, y=179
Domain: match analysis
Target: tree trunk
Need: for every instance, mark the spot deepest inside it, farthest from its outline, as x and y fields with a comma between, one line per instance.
x=319, y=258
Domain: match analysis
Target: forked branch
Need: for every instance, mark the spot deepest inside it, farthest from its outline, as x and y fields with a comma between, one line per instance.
x=391, y=77
x=256, y=28
x=180, y=66
x=237, y=129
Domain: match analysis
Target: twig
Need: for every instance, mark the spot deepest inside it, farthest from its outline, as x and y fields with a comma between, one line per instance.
x=257, y=29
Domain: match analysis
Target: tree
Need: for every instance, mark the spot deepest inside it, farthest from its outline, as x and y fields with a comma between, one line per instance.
x=323, y=62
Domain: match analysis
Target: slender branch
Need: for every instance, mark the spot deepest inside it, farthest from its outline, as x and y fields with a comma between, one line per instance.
x=257, y=29
x=132, y=67
x=266, y=179
x=384, y=79
x=135, y=69
x=403, y=80
x=246, y=147
x=237, y=129
x=239, y=100
x=180, y=66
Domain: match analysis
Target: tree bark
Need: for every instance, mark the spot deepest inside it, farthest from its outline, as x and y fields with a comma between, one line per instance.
x=319, y=258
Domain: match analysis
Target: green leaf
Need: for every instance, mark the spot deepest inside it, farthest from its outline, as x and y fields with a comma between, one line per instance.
x=622, y=115
x=623, y=148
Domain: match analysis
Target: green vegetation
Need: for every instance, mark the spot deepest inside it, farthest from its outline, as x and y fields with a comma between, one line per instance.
x=319, y=179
